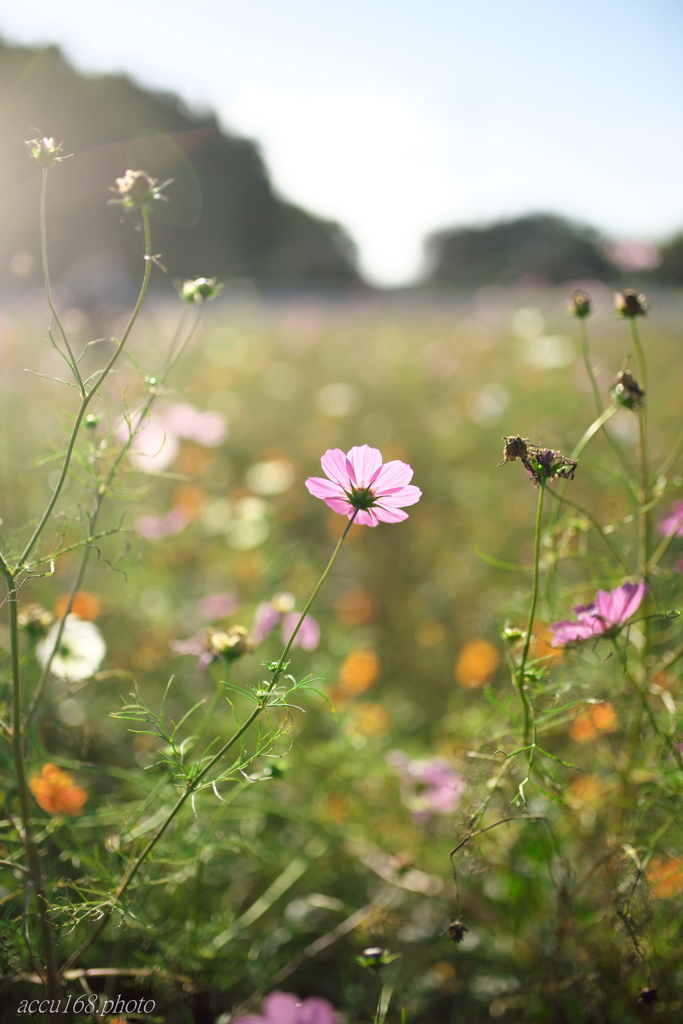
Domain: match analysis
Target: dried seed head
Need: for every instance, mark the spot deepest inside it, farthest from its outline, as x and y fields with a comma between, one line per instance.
x=628, y=304
x=516, y=447
x=627, y=391
x=456, y=931
x=579, y=304
x=543, y=464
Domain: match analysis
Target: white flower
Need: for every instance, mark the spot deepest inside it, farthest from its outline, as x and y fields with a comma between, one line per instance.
x=80, y=652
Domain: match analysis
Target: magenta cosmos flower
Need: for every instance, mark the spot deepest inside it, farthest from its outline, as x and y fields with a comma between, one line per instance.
x=285, y=1008
x=609, y=611
x=359, y=483
x=673, y=523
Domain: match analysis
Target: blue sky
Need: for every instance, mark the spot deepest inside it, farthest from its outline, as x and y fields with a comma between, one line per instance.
x=397, y=117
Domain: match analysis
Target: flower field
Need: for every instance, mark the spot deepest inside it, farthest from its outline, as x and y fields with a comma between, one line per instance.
x=455, y=795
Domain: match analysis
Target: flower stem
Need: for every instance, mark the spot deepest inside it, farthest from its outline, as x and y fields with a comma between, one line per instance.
x=521, y=669
x=49, y=975
x=48, y=291
x=583, y=335
x=642, y=696
x=644, y=515
x=192, y=786
x=90, y=394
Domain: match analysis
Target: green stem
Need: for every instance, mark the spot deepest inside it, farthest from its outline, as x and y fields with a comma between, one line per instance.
x=102, y=489
x=210, y=712
x=583, y=335
x=29, y=843
x=596, y=526
x=644, y=516
x=526, y=707
x=135, y=864
x=646, y=706
x=671, y=459
x=87, y=398
x=592, y=430
x=48, y=291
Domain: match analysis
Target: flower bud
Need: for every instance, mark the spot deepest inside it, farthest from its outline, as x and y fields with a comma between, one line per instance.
x=579, y=304
x=45, y=151
x=137, y=189
x=200, y=290
x=627, y=391
x=628, y=304
x=375, y=957
x=35, y=619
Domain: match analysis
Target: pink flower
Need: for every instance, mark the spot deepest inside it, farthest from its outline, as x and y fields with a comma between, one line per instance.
x=359, y=483
x=218, y=606
x=429, y=785
x=609, y=610
x=205, y=428
x=285, y=1008
x=673, y=523
x=281, y=609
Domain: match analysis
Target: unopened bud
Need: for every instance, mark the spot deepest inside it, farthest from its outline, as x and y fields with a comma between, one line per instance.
x=45, y=151
x=136, y=189
x=579, y=304
x=628, y=304
x=200, y=290
x=627, y=391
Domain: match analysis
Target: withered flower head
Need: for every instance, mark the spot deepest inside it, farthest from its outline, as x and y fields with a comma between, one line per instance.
x=136, y=189
x=627, y=391
x=541, y=464
x=35, y=619
x=545, y=464
x=516, y=447
x=628, y=304
x=456, y=931
x=579, y=303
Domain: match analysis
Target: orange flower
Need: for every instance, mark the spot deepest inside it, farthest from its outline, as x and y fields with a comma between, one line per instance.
x=369, y=719
x=665, y=876
x=359, y=671
x=56, y=793
x=354, y=606
x=85, y=605
x=596, y=719
x=586, y=791
x=476, y=664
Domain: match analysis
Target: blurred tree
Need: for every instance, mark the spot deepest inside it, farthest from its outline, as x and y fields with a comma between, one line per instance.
x=670, y=269
x=541, y=247
x=225, y=218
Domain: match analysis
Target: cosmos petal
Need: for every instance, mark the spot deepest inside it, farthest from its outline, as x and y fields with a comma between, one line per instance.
x=334, y=466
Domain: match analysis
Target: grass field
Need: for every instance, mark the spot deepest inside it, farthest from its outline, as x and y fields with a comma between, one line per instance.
x=330, y=837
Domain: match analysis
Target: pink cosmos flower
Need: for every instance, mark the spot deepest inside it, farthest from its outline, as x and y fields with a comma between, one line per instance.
x=673, y=523
x=281, y=609
x=429, y=785
x=358, y=483
x=285, y=1008
x=609, y=610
